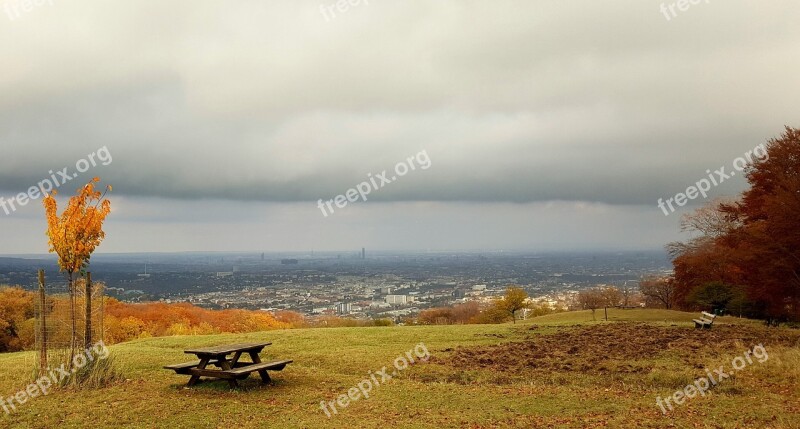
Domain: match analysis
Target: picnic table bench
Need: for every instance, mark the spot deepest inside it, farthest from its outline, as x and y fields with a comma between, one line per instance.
x=705, y=321
x=230, y=369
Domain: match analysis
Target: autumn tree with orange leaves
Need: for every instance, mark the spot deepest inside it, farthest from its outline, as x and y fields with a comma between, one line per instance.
x=73, y=236
x=751, y=244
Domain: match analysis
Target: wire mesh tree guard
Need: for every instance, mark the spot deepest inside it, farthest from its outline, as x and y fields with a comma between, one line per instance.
x=67, y=323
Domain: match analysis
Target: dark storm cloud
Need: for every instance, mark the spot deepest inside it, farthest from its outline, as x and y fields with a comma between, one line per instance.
x=513, y=101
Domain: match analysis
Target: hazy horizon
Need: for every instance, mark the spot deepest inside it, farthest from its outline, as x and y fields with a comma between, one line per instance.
x=357, y=252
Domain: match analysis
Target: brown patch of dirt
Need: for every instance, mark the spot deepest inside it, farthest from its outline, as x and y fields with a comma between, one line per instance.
x=618, y=347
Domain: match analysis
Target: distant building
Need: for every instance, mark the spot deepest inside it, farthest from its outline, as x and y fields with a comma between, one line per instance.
x=363, y=253
x=397, y=299
x=225, y=274
x=344, y=308
x=379, y=304
x=289, y=262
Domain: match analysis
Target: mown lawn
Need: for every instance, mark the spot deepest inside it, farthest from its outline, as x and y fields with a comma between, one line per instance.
x=501, y=389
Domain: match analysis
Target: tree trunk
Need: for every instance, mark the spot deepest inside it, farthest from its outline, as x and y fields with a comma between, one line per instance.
x=73, y=317
x=87, y=337
x=43, y=326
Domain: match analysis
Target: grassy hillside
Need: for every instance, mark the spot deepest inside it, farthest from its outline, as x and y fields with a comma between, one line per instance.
x=562, y=370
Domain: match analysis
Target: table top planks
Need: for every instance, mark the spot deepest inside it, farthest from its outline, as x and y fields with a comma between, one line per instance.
x=225, y=350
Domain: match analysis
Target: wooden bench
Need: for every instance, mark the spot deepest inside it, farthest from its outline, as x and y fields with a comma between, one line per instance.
x=244, y=371
x=705, y=321
x=184, y=368
x=231, y=370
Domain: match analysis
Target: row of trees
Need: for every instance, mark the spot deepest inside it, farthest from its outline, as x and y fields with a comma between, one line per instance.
x=501, y=310
x=607, y=296
x=125, y=322
x=745, y=254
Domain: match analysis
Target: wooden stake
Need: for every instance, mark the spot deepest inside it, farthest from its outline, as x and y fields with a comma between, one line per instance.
x=87, y=336
x=43, y=326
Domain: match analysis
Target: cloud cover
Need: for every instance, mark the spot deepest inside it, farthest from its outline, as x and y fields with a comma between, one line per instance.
x=516, y=102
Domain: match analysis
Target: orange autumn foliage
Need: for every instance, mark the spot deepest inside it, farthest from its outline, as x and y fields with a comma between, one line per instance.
x=750, y=244
x=124, y=322
x=75, y=234
x=292, y=318
x=16, y=319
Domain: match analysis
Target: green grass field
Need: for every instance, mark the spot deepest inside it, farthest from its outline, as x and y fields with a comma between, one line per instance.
x=561, y=370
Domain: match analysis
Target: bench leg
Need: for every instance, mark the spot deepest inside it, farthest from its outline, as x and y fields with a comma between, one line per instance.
x=263, y=373
x=264, y=377
x=226, y=366
x=196, y=378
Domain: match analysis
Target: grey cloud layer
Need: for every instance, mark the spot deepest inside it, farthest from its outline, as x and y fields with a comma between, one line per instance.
x=514, y=101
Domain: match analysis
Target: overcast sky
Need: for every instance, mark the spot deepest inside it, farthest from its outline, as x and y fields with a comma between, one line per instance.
x=548, y=125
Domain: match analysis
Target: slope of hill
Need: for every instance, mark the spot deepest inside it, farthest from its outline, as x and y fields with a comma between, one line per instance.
x=563, y=370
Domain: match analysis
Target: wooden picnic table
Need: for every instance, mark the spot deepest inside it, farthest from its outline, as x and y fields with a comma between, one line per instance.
x=230, y=369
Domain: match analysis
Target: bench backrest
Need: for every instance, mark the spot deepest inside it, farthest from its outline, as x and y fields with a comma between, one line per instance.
x=709, y=315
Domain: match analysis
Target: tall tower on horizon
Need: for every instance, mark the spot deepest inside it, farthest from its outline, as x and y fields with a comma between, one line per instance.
x=363, y=253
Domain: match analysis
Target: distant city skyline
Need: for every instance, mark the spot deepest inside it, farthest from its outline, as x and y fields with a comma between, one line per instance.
x=385, y=285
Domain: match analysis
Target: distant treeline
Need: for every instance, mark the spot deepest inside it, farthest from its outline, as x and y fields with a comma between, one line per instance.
x=125, y=322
